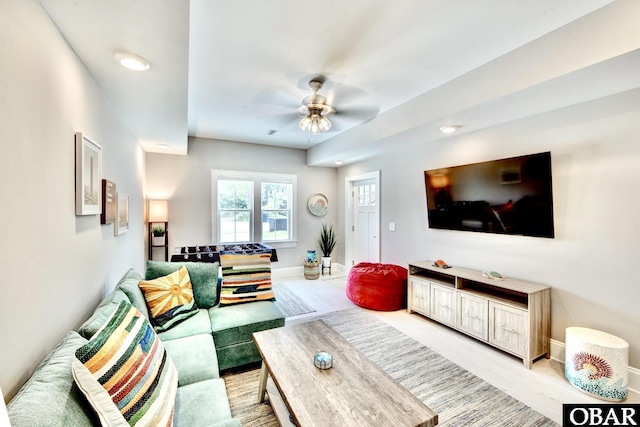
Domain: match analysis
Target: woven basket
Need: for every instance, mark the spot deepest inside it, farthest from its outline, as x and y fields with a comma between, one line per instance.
x=311, y=270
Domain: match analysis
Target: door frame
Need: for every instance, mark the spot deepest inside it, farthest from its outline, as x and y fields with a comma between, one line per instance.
x=349, y=214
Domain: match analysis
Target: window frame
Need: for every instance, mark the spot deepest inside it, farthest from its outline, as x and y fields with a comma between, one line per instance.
x=257, y=178
x=249, y=210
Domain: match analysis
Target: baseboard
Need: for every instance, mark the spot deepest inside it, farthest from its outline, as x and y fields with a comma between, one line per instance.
x=557, y=353
x=299, y=271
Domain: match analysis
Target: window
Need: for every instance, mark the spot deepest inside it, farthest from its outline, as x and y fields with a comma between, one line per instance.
x=276, y=211
x=235, y=200
x=366, y=194
x=253, y=207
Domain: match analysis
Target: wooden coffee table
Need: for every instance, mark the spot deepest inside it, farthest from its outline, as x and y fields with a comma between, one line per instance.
x=354, y=392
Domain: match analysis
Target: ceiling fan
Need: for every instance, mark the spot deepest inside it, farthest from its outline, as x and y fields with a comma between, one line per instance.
x=314, y=110
x=340, y=107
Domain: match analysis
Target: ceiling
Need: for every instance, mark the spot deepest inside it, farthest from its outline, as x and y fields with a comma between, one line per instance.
x=234, y=70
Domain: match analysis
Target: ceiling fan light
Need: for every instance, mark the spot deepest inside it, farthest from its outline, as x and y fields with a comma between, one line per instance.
x=305, y=123
x=324, y=124
x=314, y=123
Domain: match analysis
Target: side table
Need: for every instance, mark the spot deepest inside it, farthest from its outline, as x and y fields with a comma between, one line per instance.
x=596, y=363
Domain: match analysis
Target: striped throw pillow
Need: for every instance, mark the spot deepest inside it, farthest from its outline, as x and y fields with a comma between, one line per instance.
x=125, y=372
x=169, y=298
x=245, y=278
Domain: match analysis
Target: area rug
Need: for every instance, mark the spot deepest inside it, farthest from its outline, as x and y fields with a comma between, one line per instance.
x=339, y=282
x=242, y=390
x=288, y=302
x=457, y=396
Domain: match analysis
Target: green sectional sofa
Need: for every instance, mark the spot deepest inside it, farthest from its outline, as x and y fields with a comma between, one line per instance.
x=214, y=339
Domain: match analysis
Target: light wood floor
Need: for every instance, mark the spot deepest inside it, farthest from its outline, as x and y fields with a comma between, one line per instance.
x=543, y=388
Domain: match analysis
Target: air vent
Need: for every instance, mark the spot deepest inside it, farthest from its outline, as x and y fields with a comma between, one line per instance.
x=271, y=131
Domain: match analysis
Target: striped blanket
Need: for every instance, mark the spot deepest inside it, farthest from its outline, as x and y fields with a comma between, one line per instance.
x=245, y=278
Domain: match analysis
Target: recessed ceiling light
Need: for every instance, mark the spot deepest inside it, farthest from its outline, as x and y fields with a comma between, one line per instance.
x=338, y=162
x=163, y=146
x=449, y=128
x=132, y=62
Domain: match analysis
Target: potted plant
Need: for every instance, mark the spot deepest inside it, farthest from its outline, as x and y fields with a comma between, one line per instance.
x=327, y=241
x=158, y=235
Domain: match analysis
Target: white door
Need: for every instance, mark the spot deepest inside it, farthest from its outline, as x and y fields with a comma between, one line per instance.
x=366, y=224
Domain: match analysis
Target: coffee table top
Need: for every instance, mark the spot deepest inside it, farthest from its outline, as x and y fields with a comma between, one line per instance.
x=355, y=391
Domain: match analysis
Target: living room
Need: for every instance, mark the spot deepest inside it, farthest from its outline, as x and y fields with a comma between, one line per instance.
x=48, y=95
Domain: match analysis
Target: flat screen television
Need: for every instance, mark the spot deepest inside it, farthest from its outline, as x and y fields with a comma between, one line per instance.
x=506, y=196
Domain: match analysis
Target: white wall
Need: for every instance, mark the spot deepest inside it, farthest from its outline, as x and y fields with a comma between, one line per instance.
x=591, y=263
x=57, y=265
x=186, y=182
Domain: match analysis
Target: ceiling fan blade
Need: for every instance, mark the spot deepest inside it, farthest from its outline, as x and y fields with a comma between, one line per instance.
x=357, y=114
x=343, y=94
x=281, y=121
x=278, y=96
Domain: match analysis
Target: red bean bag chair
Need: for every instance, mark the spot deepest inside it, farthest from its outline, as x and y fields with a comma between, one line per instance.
x=380, y=287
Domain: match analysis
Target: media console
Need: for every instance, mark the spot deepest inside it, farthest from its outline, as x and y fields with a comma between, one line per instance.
x=510, y=314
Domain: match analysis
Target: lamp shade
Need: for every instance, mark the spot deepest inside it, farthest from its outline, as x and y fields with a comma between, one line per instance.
x=439, y=181
x=158, y=211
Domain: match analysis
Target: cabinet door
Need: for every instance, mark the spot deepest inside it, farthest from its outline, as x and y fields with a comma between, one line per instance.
x=420, y=296
x=472, y=315
x=508, y=328
x=443, y=304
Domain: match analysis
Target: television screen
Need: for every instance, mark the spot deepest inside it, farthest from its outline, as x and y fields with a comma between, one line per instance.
x=507, y=196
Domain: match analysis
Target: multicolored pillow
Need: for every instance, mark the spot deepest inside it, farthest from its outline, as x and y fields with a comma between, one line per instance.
x=204, y=278
x=125, y=372
x=245, y=278
x=169, y=298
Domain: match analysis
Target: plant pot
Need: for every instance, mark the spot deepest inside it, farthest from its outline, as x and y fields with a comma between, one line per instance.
x=326, y=261
x=157, y=241
x=311, y=270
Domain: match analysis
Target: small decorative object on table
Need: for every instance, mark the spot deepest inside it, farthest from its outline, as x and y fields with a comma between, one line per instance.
x=323, y=360
x=493, y=275
x=440, y=263
x=311, y=255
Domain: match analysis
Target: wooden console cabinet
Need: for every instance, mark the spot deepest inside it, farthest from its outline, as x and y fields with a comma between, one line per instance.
x=510, y=314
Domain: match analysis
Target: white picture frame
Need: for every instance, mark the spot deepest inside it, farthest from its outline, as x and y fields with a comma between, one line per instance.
x=88, y=176
x=121, y=225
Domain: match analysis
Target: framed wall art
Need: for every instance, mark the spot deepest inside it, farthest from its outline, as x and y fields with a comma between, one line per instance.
x=122, y=221
x=510, y=176
x=318, y=204
x=88, y=176
x=109, y=202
